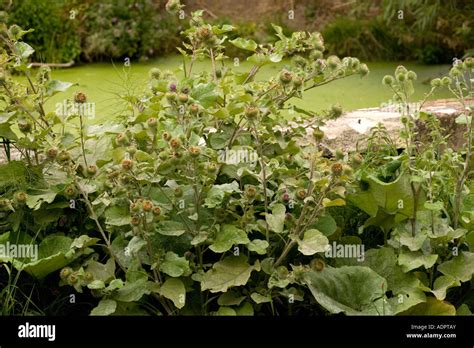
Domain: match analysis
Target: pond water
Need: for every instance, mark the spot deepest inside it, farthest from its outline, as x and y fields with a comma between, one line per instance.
x=105, y=82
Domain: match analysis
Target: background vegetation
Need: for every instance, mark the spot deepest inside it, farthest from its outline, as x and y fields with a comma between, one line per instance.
x=430, y=31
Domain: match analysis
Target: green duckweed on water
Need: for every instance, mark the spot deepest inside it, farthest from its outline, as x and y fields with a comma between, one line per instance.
x=104, y=83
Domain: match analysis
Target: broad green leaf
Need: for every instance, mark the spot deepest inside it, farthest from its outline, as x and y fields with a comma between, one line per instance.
x=22, y=49
x=313, y=242
x=105, y=307
x=175, y=266
x=173, y=289
x=103, y=272
x=276, y=220
x=51, y=257
x=410, y=260
x=244, y=44
x=230, y=298
x=258, y=246
x=246, y=309
x=230, y=272
x=228, y=236
x=170, y=228
x=56, y=86
x=338, y=202
x=205, y=94
x=463, y=310
x=34, y=201
x=326, y=224
x=461, y=267
x=96, y=285
x=406, y=288
x=353, y=290
x=134, y=291
x=217, y=193
x=219, y=141
x=260, y=298
x=117, y=216
x=225, y=311
x=442, y=284
x=431, y=307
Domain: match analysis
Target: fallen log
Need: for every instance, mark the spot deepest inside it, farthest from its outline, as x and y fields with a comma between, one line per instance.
x=54, y=65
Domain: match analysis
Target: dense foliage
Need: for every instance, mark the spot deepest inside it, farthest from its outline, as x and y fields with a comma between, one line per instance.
x=213, y=195
x=94, y=30
x=90, y=30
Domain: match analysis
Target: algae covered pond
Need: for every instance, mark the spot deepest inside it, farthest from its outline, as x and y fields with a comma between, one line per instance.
x=104, y=83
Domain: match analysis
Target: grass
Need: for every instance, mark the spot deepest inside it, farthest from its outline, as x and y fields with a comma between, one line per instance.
x=105, y=82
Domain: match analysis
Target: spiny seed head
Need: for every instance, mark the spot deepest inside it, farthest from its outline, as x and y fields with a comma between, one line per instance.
x=363, y=70
x=356, y=159
x=317, y=264
x=65, y=272
x=178, y=154
x=285, y=197
x=127, y=164
x=70, y=191
x=88, y=276
x=80, y=97
x=175, y=143
x=337, y=169
x=436, y=82
x=315, y=54
x=194, y=109
x=122, y=139
x=72, y=279
x=157, y=211
x=333, y=62
x=347, y=171
x=178, y=192
x=401, y=77
x=286, y=76
x=147, y=205
x=135, y=206
x=172, y=87
x=21, y=197
x=135, y=221
x=411, y=75
x=183, y=98
x=455, y=72
x=301, y=194
x=194, y=151
x=336, y=111
x=64, y=156
x=298, y=81
x=173, y=6
x=164, y=155
x=211, y=168
x=252, y=112
x=446, y=81
x=152, y=122
x=299, y=61
x=469, y=62
x=387, y=80
x=318, y=134
x=24, y=126
x=155, y=73
x=166, y=136
x=52, y=152
x=171, y=96
x=250, y=191
x=404, y=119
x=92, y=169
